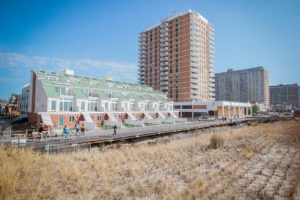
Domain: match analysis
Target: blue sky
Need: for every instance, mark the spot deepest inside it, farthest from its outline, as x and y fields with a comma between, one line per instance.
x=100, y=38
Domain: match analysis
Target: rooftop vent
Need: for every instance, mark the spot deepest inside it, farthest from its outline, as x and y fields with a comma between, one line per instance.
x=69, y=72
x=109, y=78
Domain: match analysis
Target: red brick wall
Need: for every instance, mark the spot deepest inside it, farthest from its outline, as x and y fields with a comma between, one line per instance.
x=98, y=119
x=55, y=119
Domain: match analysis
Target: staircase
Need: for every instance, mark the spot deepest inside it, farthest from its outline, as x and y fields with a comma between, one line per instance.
x=46, y=119
x=161, y=115
x=150, y=120
x=131, y=116
x=132, y=120
x=147, y=116
x=176, y=118
x=112, y=121
x=173, y=115
x=111, y=117
x=89, y=123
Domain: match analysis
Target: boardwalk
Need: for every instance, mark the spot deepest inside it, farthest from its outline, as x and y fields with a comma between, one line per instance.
x=106, y=136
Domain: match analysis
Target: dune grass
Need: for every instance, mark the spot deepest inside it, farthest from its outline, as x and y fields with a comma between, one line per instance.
x=187, y=168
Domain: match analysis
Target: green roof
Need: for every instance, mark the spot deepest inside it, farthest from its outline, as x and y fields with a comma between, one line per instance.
x=136, y=96
x=50, y=90
x=105, y=89
x=78, y=92
x=102, y=94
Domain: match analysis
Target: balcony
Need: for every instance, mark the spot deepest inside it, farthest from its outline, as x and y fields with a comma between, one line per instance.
x=164, y=44
x=163, y=78
x=163, y=29
x=163, y=35
x=163, y=64
x=165, y=39
x=163, y=69
x=194, y=76
x=165, y=58
x=141, y=71
x=164, y=54
x=164, y=49
x=164, y=88
x=164, y=73
x=194, y=71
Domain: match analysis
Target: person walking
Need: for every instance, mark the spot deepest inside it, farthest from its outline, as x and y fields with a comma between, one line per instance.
x=115, y=130
x=77, y=127
x=82, y=128
x=40, y=131
x=65, y=131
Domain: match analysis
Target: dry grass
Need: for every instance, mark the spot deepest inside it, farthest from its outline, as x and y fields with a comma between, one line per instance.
x=180, y=169
x=216, y=141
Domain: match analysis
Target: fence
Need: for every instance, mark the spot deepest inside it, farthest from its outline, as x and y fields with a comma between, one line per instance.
x=54, y=143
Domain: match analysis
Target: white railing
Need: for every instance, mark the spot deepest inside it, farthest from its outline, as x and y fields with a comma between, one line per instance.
x=122, y=133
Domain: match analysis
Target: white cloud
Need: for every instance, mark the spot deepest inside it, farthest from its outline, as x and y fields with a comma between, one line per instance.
x=6, y=80
x=122, y=71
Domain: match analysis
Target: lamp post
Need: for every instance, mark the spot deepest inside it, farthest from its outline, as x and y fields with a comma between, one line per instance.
x=193, y=110
x=214, y=110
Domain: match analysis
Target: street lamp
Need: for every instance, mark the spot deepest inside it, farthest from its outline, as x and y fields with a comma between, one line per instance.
x=193, y=109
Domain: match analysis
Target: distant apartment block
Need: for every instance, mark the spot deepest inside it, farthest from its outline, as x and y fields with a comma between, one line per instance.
x=248, y=85
x=285, y=95
x=176, y=56
x=24, y=99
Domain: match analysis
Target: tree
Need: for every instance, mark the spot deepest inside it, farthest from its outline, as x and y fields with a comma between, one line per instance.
x=255, y=109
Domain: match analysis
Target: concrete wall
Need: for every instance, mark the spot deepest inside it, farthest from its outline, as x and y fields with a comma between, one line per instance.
x=41, y=100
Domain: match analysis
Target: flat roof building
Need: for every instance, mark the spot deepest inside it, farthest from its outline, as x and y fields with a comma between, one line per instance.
x=24, y=99
x=176, y=56
x=248, y=85
x=285, y=95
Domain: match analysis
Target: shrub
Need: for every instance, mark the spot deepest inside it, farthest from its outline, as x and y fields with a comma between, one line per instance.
x=216, y=142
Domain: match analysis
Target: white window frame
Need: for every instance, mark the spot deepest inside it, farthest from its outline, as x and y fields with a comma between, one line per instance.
x=55, y=105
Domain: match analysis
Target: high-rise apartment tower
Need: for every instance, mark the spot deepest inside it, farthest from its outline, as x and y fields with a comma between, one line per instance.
x=176, y=56
x=248, y=85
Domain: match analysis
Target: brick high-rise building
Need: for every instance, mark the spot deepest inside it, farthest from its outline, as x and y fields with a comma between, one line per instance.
x=176, y=57
x=285, y=94
x=248, y=85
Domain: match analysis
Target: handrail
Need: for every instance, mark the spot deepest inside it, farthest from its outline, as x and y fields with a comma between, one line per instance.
x=106, y=135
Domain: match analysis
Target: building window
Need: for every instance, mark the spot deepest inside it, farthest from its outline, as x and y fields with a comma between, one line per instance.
x=61, y=90
x=92, y=106
x=98, y=118
x=72, y=119
x=147, y=106
x=82, y=106
x=61, y=121
x=186, y=107
x=131, y=106
x=106, y=106
x=114, y=106
x=53, y=105
x=160, y=107
x=66, y=106
x=61, y=108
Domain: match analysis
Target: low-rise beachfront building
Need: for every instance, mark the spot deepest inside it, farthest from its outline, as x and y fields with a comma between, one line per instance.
x=59, y=99
x=218, y=109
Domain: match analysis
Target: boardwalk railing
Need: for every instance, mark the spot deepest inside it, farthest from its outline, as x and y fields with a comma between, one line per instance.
x=100, y=136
